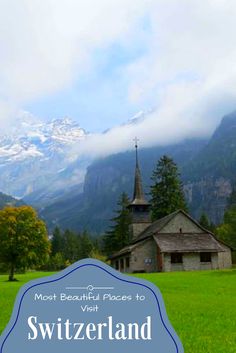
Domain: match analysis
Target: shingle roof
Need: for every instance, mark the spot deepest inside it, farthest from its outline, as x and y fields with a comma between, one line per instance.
x=155, y=226
x=126, y=250
x=180, y=242
x=175, y=242
x=138, y=196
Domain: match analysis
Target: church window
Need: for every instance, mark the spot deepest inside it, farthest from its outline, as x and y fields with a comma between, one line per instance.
x=205, y=257
x=176, y=258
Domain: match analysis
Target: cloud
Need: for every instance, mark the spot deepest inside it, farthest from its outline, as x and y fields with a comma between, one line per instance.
x=187, y=70
x=188, y=73
x=192, y=42
x=46, y=45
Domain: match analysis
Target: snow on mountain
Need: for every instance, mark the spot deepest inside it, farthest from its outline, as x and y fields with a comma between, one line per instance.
x=139, y=117
x=36, y=139
x=33, y=152
x=38, y=160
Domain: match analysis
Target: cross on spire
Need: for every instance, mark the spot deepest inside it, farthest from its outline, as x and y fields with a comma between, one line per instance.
x=136, y=140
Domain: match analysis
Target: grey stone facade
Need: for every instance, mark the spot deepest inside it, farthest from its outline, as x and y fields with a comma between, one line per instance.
x=177, y=243
x=181, y=224
x=137, y=228
x=191, y=262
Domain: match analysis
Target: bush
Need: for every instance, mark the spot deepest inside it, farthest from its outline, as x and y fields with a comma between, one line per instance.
x=55, y=263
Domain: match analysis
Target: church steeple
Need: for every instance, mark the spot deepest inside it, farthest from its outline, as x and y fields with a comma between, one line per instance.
x=138, y=195
x=139, y=207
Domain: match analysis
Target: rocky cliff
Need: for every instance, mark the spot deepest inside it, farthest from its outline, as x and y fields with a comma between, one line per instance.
x=208, y=170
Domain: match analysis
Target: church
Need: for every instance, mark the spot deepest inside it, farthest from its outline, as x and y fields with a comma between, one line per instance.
x=176, y=242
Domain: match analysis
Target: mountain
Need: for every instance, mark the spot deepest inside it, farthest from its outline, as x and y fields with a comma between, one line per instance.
x=210, y=175
x=35, y=162
x=208, y=170
x=35, y=157
x=218, y=157
x=105, y=180
x=7, y=200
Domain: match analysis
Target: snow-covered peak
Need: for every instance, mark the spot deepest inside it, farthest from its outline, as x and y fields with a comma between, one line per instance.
x=64, y=130
x=140, y=116
x=31, y=137
x=137, y=116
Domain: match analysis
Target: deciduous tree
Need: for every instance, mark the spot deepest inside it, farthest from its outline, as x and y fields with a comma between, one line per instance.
x=23, y=238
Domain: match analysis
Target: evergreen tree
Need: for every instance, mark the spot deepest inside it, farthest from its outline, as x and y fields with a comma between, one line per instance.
x=57, y=241
x=57, y=260
x=166, y=191
x=118, y=235
x=71, y=246
x=205, y=223
x=227, y=230
x=85, y=245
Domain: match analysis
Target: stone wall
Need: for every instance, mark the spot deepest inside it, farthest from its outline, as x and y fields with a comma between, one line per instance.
x=191, y=262
x=137, y=228
x=144, y=257
x=180, y=221
x=225, y=258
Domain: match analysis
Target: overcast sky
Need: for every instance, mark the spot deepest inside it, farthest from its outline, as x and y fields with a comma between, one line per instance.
x=101, y=62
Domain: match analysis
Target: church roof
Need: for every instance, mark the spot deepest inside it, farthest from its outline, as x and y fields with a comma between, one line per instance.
x=126, y=250
x=156, y=226
x=190, y=242
x=202, y=241
x=138, y=195
x=180, y=242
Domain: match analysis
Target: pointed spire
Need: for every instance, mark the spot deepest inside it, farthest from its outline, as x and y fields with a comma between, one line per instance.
x=138, y=196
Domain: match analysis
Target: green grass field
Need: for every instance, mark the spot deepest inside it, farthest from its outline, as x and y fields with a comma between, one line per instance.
x=201, y=306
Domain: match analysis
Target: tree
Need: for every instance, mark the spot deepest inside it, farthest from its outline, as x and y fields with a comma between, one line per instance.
x=71, y=247
x=227, y=230
x=23, y=239
x=86, y=245
x=119, y=236
x=166, y=191
x=205, y=223
x=57, y=241
x=96, y=254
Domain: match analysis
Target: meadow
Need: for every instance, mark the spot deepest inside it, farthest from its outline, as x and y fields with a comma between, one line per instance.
x=201, y=306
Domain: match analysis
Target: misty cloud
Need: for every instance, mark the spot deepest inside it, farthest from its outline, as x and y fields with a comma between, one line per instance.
x=46, y=45
x=187, y=72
